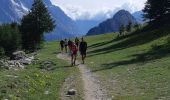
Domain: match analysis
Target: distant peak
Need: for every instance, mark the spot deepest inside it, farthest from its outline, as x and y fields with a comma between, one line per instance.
x=47, y=2
x=123, y=11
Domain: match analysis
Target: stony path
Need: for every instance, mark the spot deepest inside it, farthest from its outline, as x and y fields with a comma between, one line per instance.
x=92, y=87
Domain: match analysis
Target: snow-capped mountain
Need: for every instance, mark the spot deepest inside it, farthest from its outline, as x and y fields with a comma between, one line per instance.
x=14, y=10
x=10, y=10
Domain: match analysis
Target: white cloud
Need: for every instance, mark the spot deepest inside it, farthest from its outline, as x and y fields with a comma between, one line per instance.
x=97, y=9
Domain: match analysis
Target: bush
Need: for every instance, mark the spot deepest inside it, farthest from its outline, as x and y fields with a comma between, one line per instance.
x=10, y=38
x=2, y=52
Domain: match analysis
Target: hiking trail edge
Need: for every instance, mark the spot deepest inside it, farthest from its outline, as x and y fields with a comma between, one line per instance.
x=92, y=87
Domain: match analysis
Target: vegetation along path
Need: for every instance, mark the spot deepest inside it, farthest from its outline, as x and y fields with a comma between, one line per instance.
x=92, y=87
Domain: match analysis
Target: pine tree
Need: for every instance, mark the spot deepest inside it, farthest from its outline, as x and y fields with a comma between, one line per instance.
x=129, y=27
x=148, y=10
x=168, y=9
x=35, y=24
x=121, y=30
x=137, y=26
x=155, y=10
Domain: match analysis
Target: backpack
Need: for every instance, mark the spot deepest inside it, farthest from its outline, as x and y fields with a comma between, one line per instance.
x=74, y=48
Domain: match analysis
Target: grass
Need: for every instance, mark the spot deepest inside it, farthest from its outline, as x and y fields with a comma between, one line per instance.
x=36, y=83
x=133, y=67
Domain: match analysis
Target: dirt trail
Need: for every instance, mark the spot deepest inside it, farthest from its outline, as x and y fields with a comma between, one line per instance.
x=92, y=87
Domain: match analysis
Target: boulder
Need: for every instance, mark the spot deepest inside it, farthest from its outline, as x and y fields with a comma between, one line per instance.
x=47, y=65
x=11, y=64
x=19, y=59
x=19, y=65
x=18, y=55
x=22, y=57
x=4, y=64
x=71, y=92
x=25, y=61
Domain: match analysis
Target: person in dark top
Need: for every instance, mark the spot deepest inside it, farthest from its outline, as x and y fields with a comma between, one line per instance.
x=69, y=42
x=66, y=45
x=83, y=49
x=77, y=42
x=62, y=45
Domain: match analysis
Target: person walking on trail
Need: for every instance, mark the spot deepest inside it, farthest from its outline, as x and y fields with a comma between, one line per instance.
x=62, y=45
x=66, y=45
x=77, y=42
x=69, y=46
x=83, y=49
x=74, y=51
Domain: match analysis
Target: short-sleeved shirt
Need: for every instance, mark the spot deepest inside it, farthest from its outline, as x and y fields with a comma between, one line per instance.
x=83, y=46
x=62, y=43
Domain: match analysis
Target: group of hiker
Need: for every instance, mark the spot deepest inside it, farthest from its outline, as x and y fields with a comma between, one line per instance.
x=73, y=47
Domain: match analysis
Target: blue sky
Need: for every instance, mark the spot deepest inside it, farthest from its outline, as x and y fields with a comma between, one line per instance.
x=88, y=9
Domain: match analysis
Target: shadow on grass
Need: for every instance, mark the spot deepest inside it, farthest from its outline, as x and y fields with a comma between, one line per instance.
x=100, y=44
x=157, y=52
x=137, y=38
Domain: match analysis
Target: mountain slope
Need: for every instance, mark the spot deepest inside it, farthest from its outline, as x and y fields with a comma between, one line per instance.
x=85, y=25
x=122, y=17
x=133, y=67
x=139, y=16
x=13, y=10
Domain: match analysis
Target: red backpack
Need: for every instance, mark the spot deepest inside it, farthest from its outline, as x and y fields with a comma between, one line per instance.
x=74, y=48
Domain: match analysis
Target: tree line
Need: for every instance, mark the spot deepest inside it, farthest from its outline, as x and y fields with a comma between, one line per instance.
x=156, y=13
x=128, y=28
x=28, y=34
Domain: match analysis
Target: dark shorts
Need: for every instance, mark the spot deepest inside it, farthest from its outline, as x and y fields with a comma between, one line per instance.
x=74, y=53
x=77, y=44
x=62, y=46
x=83, y=52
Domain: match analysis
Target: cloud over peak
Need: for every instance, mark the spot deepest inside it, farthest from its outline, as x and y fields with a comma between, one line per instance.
x=95, y=9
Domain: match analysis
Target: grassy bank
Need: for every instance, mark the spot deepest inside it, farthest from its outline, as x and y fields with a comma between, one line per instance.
x=134, y=67
x=37, y=82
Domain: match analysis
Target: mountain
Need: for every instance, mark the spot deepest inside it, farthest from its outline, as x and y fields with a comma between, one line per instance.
x=139, y=16
x=122, y=17
x=85, y=25
x=11, y=10
x=14, y=10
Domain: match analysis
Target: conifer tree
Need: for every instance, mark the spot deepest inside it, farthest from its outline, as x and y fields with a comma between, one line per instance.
x=155, y=10
x=35, y=24
x=129, y=27
x=121, y=30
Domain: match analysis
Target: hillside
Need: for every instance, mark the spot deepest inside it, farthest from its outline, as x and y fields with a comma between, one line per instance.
x=41, y=80
x=113, y=24
x=134, y=67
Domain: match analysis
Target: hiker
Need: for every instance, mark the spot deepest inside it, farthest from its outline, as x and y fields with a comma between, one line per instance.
x=83, y=49
x=69, y=46
x=66, y=45
x=74, y=50
x=62, y=45
x=77, y=41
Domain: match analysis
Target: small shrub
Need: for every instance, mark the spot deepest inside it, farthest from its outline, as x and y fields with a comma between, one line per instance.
x=2, y=52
